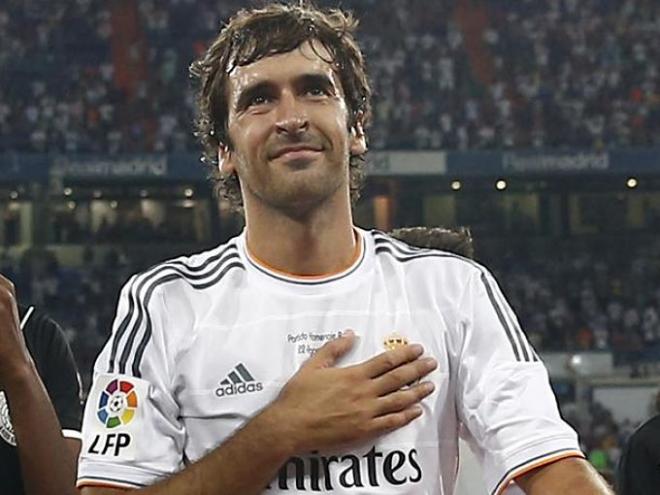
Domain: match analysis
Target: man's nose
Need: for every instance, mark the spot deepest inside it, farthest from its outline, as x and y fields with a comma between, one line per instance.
x=292, y=118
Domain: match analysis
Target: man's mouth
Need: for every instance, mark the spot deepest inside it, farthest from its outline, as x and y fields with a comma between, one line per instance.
x=297, y=152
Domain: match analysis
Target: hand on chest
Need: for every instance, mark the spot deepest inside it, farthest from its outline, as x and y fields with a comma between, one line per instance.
x=251, y=360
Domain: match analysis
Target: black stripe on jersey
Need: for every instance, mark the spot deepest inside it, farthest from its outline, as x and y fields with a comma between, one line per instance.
x=515, y=336
x=522, y=339
x=498, y=310
x=139, y=353
x=383, y=239
x=147, y=274
x=528, y=461
x=511, y=320
x=140, y=281
x=145, y=277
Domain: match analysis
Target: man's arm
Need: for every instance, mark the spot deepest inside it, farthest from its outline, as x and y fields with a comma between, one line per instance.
x=319, y=408
x=48, y=464
x=571, y=475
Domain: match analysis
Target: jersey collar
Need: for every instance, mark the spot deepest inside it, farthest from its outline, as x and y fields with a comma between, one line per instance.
x=315, y=281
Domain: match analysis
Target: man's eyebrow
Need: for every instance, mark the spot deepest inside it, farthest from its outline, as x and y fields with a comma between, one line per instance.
x=320, y=78
x=250, y=91
x=316, y=79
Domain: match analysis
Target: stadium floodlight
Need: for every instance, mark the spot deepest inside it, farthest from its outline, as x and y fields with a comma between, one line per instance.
x=188, y=192
x=13, y=195
x=456, y=185
x=113, y=204
x=68, y=191
x=632, y=183
x=71, y=205
x=500, y=185
x=98, y=194
x=144, y=193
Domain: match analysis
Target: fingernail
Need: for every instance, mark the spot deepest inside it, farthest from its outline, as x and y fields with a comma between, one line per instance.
x=430, y=363
x=429, y=387
x=417, y=348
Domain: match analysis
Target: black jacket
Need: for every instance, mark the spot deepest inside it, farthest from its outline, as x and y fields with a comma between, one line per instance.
x=54, y=360
x=639, y=468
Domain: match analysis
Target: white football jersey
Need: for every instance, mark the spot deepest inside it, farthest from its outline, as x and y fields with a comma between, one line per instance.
x=201, y=343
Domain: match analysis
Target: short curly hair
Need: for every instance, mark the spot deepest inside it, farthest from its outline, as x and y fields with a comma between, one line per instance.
x=252, y=34
x=455, y=240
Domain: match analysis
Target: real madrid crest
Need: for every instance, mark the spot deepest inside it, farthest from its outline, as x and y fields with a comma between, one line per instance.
x=394, y=340
x=6, y=428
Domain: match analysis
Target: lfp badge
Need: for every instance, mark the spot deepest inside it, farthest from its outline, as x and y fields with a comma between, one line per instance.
x=117, y=404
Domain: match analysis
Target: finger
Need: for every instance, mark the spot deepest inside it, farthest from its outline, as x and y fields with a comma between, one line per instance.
x=403, y=375
x=6, y=296
x=329, y=353
x=7, y=284
x=403, y=399
x=394, y=421
x=389, y=360
x=8, y=306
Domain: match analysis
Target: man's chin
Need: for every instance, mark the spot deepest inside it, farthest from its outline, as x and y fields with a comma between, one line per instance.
x=301, y=197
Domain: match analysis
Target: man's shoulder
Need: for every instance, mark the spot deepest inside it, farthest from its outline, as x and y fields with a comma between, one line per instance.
x=39, y=329
x=201, y=270
x=48, y=346
x=647, y=433
x=392, y=250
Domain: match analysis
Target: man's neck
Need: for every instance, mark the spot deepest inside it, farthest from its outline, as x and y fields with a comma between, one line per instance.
x=320, y=243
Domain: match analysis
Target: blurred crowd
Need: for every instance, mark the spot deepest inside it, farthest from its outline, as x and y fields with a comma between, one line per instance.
x=129, y=227
x=57, y=91
x=581, y=73
x=560, y=73
x=582, y=298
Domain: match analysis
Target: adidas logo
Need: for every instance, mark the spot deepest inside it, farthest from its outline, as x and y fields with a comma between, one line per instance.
x=238, y=381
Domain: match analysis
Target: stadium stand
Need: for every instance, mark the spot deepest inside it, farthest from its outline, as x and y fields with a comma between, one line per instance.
x=533, y=74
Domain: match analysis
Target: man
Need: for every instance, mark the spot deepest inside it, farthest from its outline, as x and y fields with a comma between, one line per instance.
x=202, y=343
x=39, y=439
x=638, y=472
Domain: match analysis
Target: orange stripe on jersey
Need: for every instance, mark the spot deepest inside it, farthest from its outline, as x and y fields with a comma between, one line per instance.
x=524, y=469
x=104, y=484
x=264, y=264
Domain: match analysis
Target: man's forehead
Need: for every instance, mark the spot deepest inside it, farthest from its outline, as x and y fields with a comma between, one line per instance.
x=309, y=57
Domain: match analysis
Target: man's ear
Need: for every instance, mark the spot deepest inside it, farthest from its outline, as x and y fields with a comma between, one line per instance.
x=358, y=140
x=225, y=160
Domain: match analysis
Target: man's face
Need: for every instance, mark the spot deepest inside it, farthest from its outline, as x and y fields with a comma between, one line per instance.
x=288, y=125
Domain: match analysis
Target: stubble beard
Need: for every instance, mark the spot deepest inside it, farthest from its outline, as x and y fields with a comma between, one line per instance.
x=301, y=193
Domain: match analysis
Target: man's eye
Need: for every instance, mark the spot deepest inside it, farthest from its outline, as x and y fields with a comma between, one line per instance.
x=317, y=91
x=258, y=100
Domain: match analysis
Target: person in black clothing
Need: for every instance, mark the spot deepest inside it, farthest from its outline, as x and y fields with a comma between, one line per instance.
x=638, y=472
x=40, y=406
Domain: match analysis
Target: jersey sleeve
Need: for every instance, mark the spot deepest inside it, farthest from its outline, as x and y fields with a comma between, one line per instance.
x=60, y=376
x=132, y=434
x=503, y=391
